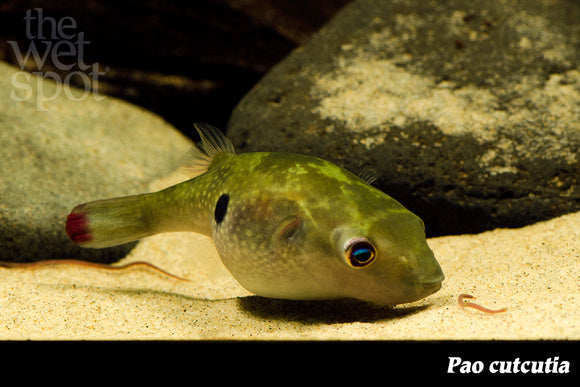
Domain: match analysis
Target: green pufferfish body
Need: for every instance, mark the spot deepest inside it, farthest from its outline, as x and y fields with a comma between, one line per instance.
x=285, y=225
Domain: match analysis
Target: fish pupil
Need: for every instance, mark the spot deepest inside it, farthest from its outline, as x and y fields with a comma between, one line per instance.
x=221, y=208
x=362, y=254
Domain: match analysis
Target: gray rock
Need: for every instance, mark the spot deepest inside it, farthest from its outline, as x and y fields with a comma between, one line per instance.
x=70, y=153
x=471, y=111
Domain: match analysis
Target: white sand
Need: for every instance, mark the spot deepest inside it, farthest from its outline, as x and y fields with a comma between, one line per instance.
x=534, y=271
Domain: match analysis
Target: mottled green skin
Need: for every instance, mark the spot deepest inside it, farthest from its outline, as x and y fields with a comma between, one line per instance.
x=286, y=224
x=288, y=229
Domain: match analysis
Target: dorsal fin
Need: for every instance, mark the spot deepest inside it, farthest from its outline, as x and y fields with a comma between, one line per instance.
x=369, y=174
x=212, y=143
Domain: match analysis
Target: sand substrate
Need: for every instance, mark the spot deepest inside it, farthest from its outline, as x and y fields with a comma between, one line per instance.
x=533, y=271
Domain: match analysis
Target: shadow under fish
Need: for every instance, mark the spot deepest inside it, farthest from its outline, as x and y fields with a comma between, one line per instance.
x=323, y=312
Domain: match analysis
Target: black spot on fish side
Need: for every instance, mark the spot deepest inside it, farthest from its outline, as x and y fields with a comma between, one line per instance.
x=221, y=208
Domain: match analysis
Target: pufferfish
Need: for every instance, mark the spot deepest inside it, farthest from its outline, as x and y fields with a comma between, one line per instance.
x=286, y=226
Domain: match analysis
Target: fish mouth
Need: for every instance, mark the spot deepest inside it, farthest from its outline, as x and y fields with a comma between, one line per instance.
x=410, y=292
x=431, y=287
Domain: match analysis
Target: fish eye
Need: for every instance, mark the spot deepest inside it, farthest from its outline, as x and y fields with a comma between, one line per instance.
x=359, y=253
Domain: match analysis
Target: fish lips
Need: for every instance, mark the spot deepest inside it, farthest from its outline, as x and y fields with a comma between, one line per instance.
x=413, y=291
x=430, y=287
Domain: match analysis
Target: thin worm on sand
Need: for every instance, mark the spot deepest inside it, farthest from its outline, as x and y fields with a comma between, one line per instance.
x=51, y=262
x=462, y=303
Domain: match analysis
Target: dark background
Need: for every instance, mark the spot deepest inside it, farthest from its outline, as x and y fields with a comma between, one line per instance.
x=188, y=61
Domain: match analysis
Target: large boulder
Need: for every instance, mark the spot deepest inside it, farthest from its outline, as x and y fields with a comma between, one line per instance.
x=59, y=151
x=471, y=112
